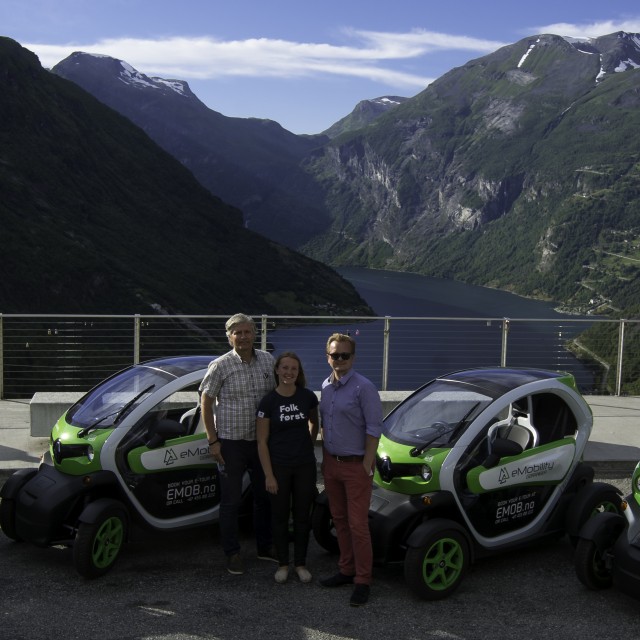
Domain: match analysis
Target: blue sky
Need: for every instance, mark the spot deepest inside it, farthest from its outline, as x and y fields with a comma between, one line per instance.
x=303, y=64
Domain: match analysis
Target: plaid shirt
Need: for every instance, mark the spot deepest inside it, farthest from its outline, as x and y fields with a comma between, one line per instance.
x=238, y=387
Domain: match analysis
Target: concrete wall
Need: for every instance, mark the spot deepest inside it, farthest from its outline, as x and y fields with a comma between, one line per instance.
x=46, y=408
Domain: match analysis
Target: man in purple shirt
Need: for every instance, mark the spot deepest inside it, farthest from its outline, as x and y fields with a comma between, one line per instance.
x=351, y=412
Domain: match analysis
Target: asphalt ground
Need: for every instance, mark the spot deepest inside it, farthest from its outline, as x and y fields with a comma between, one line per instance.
x=175, y=587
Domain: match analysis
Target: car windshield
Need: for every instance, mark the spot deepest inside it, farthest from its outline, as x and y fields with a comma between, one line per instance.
x=437, y=415
x=107, y=404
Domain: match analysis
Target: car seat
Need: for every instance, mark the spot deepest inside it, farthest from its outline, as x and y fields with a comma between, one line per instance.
x=518, y=430
x=193, y=421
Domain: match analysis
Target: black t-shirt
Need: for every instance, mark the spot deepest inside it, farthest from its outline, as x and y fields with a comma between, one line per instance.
x=289, y=440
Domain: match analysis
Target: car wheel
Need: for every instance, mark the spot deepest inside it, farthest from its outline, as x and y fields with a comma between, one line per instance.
x=8, y=518
x=597, y=497
x=323, y=530
x=98, y=544
x=435, y=569
x=591, y=564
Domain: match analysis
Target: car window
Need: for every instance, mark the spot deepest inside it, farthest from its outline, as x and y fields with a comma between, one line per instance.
x=438, y=414
x=124, y=391
x=552, y=417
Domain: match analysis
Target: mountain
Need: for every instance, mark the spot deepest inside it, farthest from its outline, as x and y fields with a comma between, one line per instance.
x=250, y=163
x=364, y=113
x=519, y=170
x=97, y=218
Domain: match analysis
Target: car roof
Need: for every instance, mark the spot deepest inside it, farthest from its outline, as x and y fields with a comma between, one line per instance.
x=180, y=365
x=500, y=380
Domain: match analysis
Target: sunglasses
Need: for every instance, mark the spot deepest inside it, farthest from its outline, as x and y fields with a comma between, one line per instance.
x=339, y=356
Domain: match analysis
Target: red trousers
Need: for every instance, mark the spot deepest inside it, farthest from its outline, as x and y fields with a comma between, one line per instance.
x=348, y=487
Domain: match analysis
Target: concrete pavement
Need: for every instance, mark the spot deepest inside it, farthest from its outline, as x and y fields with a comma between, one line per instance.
x=613, y=449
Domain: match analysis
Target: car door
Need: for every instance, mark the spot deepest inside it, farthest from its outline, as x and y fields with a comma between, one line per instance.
x=166, y=461
x=513, y=467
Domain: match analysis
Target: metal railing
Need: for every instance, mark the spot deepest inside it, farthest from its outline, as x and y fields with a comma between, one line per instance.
x=75, y=352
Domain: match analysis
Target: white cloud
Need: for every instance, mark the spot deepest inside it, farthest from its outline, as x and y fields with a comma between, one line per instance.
x=204, y=58
x=420, y=42
x=590, y=30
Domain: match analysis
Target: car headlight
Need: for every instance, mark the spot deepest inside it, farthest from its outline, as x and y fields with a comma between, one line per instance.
x=62, y=451
x=426, y=472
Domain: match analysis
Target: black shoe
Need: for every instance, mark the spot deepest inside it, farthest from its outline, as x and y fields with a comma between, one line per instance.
x=336, y=581
x=360, y=595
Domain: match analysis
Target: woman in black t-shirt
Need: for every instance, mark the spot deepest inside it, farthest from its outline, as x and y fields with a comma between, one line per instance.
x=286, y=429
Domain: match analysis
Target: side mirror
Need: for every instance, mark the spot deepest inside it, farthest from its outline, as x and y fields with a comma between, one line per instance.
x=499, y=449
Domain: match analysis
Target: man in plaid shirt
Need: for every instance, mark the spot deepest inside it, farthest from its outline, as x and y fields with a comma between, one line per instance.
x=230, y=392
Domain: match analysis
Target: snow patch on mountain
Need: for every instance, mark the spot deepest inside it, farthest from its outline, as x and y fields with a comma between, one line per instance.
x=129, y=75
x=623, y=65
x=528, y=51
x=386, y=100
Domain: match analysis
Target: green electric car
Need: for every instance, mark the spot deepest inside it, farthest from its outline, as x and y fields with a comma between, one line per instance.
x=131, y=453
x=475, y=463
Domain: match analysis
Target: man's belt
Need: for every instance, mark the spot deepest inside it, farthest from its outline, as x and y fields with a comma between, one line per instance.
x=347, y=458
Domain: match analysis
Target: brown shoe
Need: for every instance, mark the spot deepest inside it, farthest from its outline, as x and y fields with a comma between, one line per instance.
x=267, y=554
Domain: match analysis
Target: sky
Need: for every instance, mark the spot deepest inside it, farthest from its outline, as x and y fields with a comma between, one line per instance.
x=303, y=63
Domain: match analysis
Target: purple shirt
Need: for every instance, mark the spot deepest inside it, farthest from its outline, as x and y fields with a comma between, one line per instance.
x=350, y=409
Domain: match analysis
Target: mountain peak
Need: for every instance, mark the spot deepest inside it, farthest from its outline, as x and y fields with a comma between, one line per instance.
x=102, y=66
x=364, y=113
x=619, y=51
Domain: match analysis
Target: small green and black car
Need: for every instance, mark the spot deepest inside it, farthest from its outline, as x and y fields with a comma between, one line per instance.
x=608, y=549
x=475, y=463
x=132, y=452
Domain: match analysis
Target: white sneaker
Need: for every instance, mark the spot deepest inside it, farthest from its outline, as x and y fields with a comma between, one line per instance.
x=281, y=575
x=303, y=574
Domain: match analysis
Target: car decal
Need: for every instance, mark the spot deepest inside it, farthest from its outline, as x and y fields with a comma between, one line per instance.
x=176, y=455
x=542, y=465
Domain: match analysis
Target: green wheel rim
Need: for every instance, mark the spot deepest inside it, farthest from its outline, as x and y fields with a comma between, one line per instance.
x=606, y=507
x=107, y=542
x=443, y=564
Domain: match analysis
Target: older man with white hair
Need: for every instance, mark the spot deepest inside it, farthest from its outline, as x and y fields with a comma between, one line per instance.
x=230, y=392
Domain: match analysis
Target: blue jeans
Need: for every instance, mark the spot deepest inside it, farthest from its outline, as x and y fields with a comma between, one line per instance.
x=240, y=456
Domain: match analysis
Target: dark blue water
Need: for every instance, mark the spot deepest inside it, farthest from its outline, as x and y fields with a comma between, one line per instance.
x=391, y=293
x=420, y=350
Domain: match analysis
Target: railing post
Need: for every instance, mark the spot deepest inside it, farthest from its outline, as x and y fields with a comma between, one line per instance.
x=1, y=358
x=620, y=352
x=505, y=334
x=136, y=339
x=385, y=352
x=263, y=333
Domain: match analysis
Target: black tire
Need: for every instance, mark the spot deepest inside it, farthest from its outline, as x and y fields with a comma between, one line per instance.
x=594, y=498
x=590, y=563
x=436, y=568
x=98, y=544
x=8, y=519
x=323, y=530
